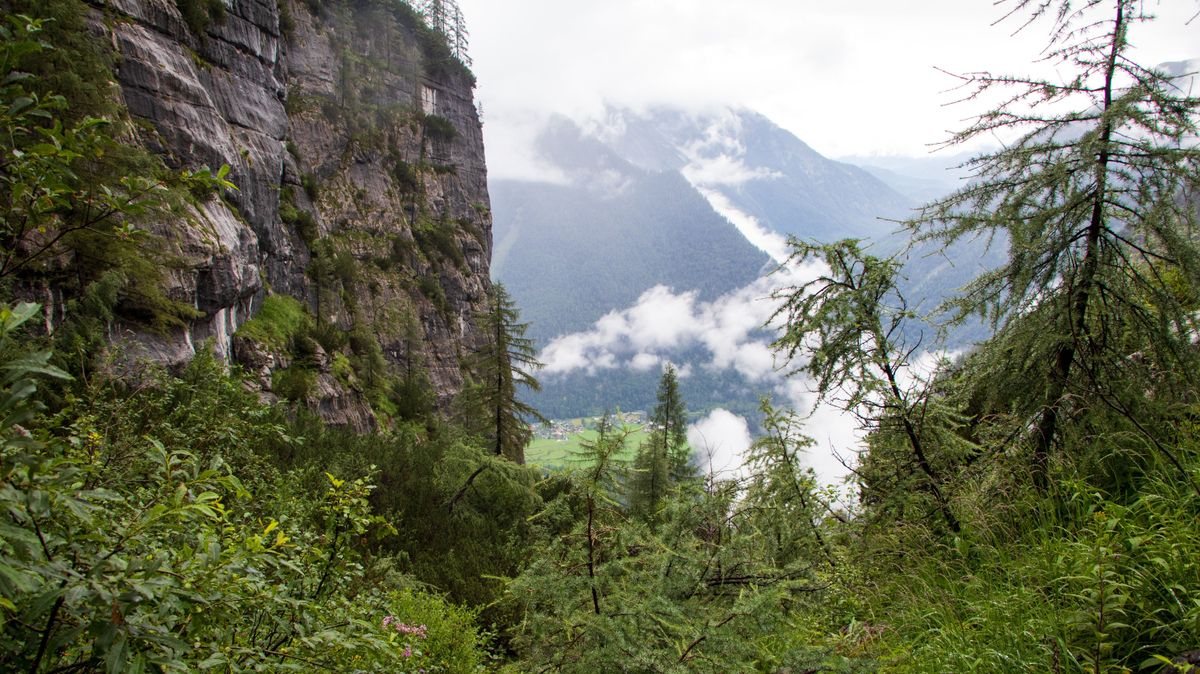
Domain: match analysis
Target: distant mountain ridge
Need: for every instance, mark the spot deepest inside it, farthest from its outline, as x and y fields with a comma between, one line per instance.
x=695, y=202
x=570, y=253
x=636, y=209
x=764, y=170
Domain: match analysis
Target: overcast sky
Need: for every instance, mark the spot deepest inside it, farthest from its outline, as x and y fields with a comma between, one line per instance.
x=847, y=76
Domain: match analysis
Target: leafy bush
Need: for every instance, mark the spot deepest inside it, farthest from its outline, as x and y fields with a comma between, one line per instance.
x=277, y=323
x=440, y=237
x=76, y=66
x=294, y=383
x=439, y=128
x=342, y=370
x=408, y=181
x=345, y=267
x=122, y=551
x=432, y=289
x=199, y=14
x=287, y=23
x=329, y=336
x=70, y=190
x=309, y=182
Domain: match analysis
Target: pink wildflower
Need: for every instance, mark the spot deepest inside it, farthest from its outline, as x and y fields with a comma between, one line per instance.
x=419, y=631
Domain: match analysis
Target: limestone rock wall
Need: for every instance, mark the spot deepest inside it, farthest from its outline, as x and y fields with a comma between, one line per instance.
x=362, y=190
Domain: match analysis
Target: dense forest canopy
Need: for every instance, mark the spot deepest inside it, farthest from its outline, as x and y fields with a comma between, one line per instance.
x=1028, y=506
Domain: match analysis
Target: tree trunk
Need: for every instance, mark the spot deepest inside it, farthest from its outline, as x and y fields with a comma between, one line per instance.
x=1079, y=293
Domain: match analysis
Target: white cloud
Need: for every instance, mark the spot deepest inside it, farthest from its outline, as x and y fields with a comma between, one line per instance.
x=608, y=183
x=719, y=442
x=512, y=152
x=718, y=158
x=759, y=236
x=849, y=78
x=717, y=161
x=662, y=319
x=724, y=169
x=645, y=361
x=838, y=440
x=663, y=324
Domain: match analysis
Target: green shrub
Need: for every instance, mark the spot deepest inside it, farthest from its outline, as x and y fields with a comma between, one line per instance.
x=123, y=525
x=439, y=128
x=309, y=182
x=303, y=221
x=277, y=323
x=199, y=14
x=306, y=227
x=402, y=251
x=449, y=641
x=77, y=67
x=345, y=266
x=369, y=362
x=287, y=23
x=342, y=370
x=329, y=336
x=439, y=60
x=295, y=383
x=408, y=180
x=432, y=289
x=440, y=237
x=288, y=212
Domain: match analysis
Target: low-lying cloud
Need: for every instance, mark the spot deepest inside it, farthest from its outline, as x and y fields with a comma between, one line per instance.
x=716, y=162
x=720, y=442
x=729, y=334
x=664, y=323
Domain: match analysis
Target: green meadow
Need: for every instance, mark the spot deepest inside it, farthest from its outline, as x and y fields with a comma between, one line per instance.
x=566, y=453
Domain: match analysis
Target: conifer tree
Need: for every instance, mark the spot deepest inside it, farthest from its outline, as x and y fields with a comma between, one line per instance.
x=664, y=458
x=848, y=324
x=783, y=489
x=600, y=454
x=446, y=17
x=1089, y=199
x=505, y=364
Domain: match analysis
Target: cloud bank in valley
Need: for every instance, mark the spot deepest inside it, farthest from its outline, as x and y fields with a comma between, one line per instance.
x=664, y=323
x=728, y=332
x=719, y=442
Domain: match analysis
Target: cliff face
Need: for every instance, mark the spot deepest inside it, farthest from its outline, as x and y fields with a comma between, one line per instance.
x=354, y=141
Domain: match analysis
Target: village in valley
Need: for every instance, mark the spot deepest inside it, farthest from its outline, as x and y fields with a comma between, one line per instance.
x=561, y=442
x=563, y=430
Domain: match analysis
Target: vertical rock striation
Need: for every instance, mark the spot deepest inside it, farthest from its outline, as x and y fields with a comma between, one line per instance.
x=354, y=141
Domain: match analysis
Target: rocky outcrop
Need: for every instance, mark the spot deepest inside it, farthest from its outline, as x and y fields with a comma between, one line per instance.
x=357, y=152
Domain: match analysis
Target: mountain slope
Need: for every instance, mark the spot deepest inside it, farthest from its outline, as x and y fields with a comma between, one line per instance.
x=763, y=170
x=569, y=253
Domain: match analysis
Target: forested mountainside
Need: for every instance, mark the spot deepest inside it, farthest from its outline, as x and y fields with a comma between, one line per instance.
x=347, y=500
x=360, y=207
x=571, y=252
